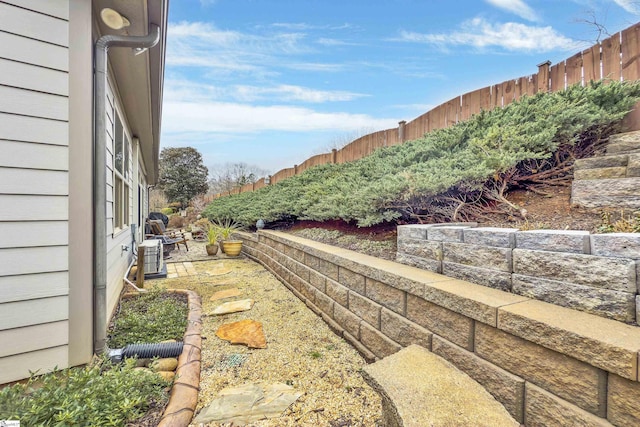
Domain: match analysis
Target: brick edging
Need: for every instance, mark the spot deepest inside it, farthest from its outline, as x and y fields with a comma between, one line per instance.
x=184, y=393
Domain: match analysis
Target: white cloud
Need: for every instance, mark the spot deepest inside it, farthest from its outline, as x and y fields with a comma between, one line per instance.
x=178, y=90
x=294, y=93
x=215, y=117
x=631, y=6
x=517, y=7
x=333, y=42
x=480, y=33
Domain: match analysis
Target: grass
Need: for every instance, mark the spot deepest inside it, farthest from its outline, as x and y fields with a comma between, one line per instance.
x=102, y=393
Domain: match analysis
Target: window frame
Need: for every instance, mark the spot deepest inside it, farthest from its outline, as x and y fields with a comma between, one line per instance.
x=122, y=175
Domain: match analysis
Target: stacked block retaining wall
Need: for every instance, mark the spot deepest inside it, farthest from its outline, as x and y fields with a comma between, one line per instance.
x=548, y=365
x=595, y=273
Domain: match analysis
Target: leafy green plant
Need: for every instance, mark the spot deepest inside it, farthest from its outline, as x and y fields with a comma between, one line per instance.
x=225, y=227
x=315, y=355
x=212, y=235
x=153, y=316
x=167, y=211
x=98, y=395
x=457, y=173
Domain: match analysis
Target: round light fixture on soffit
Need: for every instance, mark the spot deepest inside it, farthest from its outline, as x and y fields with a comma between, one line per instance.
x=113, y=19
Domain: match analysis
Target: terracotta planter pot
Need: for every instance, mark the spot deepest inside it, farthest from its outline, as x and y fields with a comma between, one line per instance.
x=212, y=249
x=232, y=247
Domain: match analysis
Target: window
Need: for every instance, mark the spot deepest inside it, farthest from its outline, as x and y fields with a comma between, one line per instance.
x=121, y=176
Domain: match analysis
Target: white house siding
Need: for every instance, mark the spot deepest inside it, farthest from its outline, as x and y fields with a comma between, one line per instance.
x=34, y=186
x=117, y=258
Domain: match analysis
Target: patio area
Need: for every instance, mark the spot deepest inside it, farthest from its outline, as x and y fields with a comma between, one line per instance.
x=301, y=350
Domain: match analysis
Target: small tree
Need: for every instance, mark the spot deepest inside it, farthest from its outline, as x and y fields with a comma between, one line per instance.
x=182, y=174
x=233, y=175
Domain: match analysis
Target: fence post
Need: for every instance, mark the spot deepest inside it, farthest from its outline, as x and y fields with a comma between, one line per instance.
x=401, y=130
x=295, y=169
x=334, y=156
x=543, y=76
x=140, y=270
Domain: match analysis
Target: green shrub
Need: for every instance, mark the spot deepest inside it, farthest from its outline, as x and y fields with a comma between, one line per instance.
x=149, y=317
x=100, y=395
x=167, y=211
x=420, y=177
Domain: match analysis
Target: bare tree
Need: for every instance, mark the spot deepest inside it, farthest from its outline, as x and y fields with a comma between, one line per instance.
x=232, y=175
x=339, y=141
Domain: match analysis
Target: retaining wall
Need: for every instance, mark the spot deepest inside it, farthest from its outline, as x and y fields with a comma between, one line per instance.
x=595, y=273
x=548, y=365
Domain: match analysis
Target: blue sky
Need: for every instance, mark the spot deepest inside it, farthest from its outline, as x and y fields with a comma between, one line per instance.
x=271, y=83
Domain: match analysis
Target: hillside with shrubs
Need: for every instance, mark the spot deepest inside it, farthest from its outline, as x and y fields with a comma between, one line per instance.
x=461, y=173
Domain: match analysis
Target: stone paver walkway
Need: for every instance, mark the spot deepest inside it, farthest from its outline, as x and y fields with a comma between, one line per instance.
x=180, y=269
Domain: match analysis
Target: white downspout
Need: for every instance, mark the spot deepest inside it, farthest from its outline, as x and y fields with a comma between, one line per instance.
x=100, y=175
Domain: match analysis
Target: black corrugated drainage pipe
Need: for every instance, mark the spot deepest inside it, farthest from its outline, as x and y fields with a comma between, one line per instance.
x=100, y=175
x=147, y=351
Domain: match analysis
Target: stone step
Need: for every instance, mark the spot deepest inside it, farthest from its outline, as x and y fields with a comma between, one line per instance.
x=600, y=173
x=628, y=142
x=619, y=193
x=612, y=161
x=419, y=388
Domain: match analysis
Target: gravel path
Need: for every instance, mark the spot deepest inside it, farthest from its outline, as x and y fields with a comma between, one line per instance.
x=301, y=349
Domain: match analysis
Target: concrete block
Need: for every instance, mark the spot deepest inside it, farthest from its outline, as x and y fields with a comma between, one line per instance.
x=577, y=382
x=618, y=274
x=481, y=276
x=601, y=302
x=324, y=303
x=623, y=142
x=604, y=343
x=468, y=299
x=623, y=407
x=318, y=280
x=301, y=270
x=375, y=341
x=365, y=309
x=307, y=290
x=351, y=280
x=422, y=263
x=337, y=292
x=492, y=258
x=601, y=173
x=294, y=253
x=390, y=297
x=412, y=231
x=633, y=168
x=574, y=241
x=620, y=245
x=507, y=388
x=490, y=236
x=366, y=354
x=452, y=233
x=446, y=323
x=421, y=248
x=346, y=319
x=544, y=409
x=601, y=162
x=404, y=331
x=322, y=266
x=333, y=325
x=619, y=193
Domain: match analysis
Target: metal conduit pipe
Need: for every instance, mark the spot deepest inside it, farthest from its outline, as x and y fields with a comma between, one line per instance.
x=100, y=175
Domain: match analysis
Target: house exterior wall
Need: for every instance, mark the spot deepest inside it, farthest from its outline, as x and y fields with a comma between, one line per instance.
x=118, y=238
x=34, y=186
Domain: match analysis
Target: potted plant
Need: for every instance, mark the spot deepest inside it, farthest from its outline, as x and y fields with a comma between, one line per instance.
x=225, y=229
x=212, y=240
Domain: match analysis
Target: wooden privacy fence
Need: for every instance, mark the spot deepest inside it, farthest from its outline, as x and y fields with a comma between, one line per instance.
x=615, y=58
